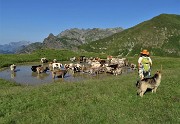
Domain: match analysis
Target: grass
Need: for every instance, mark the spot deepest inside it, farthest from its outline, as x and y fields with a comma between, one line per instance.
x=109, y=100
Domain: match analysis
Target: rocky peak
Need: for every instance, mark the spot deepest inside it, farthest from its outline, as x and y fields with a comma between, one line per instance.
x=50, y=37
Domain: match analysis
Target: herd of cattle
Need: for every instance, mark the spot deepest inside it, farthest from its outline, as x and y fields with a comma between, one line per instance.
x=90, y=65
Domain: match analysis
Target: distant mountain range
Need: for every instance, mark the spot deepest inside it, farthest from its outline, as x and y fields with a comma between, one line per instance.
x=160, y=35
x=13, y=47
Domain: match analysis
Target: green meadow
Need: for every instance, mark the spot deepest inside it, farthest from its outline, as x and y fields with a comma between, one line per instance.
x=111, y=100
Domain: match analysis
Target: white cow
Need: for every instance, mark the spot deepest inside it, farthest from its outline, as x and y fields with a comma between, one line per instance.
x=44, y=60
x=13, y=67
x=109, y=69
x=56, y=65
x=73, y=59
x=117, y=71
x=95, y=64
x=55, y=60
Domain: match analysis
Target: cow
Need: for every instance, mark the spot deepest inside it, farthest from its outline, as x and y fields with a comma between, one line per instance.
x=133, y=66
x=41, y=69
x=59, y=73
x=117, y=71
x=56, y=66
x=13, y=67
x=43, y=60
x=33, y=68
x=54, y=60
x=73, y=59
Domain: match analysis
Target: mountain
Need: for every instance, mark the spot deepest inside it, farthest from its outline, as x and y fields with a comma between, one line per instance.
x=31, y=47
x=160, y=35
x=13, y=47
x=72, y=38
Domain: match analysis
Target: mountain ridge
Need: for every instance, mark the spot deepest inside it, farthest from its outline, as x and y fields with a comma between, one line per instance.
x=72, y=38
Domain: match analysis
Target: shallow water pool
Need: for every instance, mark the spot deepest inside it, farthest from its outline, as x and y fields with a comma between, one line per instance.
x=25, y=76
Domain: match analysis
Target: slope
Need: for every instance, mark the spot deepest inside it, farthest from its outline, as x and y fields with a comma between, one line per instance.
x=160, y=35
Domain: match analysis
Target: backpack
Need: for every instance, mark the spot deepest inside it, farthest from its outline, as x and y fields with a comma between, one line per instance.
x=146, y=64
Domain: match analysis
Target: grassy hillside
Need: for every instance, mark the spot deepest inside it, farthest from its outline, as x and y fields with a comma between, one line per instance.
x=160, y=35
x=109, y=100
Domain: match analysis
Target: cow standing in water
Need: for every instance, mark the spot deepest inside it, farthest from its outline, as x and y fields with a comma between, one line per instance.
x=43, y=60
x=13, y=67
x=73, y=59
x=58, y=73
x=57, y=66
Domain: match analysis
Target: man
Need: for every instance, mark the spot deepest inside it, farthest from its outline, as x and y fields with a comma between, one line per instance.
x=144, y=64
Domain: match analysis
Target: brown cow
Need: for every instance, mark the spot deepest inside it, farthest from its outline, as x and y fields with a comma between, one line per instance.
x=58, y=73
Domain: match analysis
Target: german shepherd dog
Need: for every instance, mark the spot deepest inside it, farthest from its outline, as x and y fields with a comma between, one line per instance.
x=149, y=83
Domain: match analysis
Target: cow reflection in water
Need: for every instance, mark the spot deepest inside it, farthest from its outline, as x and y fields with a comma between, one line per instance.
x=13, y=74
x=39, y=76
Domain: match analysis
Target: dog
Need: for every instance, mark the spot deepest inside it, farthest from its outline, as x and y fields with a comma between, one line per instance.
x=151, y=83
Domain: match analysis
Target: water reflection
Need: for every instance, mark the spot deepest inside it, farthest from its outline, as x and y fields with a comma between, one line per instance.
x=40, y=76
x=13, y=74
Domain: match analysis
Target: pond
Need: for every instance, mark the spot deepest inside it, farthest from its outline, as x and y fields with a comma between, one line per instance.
x=25, y=76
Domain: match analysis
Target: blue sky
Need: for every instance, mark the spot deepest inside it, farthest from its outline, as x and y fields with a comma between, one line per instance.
x=34, y=20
